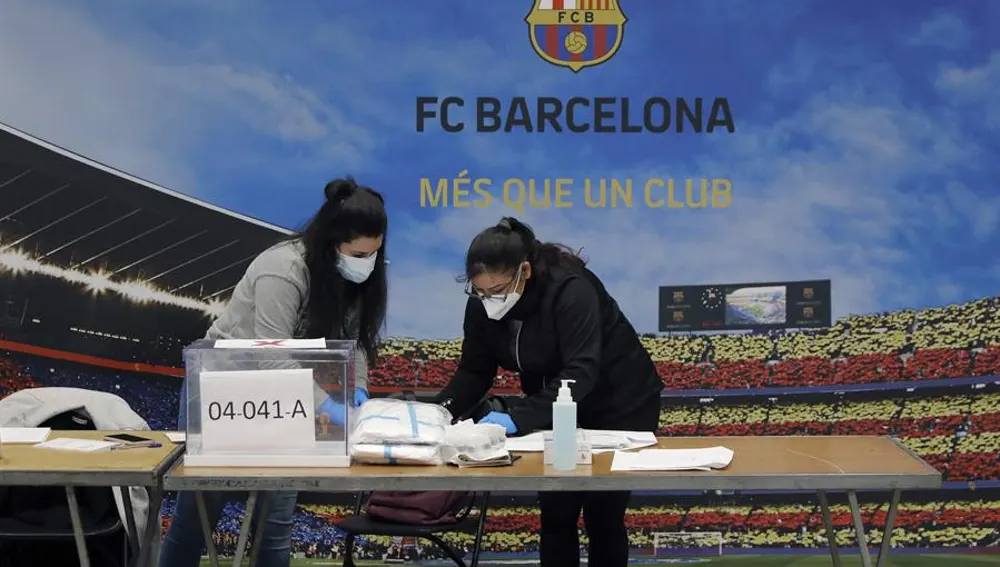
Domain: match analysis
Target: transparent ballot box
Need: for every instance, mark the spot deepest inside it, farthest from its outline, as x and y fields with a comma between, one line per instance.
x=269, y=403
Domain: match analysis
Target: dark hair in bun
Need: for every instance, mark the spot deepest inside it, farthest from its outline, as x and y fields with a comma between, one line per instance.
x=504, y=247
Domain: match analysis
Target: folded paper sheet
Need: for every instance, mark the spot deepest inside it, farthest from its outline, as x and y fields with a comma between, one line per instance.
x=600, y=441
x=23, y=435
x=673, y=459
x=176, y=436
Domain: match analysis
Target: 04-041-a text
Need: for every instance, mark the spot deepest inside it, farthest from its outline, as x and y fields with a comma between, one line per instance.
x=256, y=410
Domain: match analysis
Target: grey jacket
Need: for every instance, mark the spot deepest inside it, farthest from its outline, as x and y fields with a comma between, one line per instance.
x=269, y=302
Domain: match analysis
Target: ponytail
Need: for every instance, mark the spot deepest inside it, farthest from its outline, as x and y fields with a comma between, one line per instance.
x=505, y=246
x=338, y=190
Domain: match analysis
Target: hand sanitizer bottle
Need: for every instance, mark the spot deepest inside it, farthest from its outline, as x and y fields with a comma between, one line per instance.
x=564, y=451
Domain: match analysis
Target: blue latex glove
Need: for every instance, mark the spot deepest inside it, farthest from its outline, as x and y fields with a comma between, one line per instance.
x=336, y=411
x=360, y=396
x=500, y=419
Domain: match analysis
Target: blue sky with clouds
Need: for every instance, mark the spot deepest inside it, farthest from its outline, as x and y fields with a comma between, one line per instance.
x=866, y=145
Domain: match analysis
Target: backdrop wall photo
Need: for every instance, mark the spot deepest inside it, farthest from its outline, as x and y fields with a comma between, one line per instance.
x=716, y=149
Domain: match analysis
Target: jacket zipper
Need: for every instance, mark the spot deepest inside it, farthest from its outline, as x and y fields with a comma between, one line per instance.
x=517, y=347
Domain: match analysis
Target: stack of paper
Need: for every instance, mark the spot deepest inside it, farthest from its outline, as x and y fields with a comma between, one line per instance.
x=600, y=441
x=27, y=435
x=673, y=459
x=176, y=436
x=82, y=445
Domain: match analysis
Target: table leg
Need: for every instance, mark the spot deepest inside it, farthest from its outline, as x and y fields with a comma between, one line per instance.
x=74, y=516
x=890, y=520
x=831, y=535
x=241, y=543
x=206, y=529
x=133, y=536
x=859, y=528
x=152, y=533
x=257, y=539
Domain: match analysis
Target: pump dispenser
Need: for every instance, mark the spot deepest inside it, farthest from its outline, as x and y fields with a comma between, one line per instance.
x=564, y=451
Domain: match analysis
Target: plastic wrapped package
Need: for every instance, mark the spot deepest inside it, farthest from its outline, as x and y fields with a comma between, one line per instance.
x=463, y=443
x=398, y=422
x=383, y=454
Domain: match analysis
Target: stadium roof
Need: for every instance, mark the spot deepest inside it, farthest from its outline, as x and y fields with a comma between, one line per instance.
x=63, y=213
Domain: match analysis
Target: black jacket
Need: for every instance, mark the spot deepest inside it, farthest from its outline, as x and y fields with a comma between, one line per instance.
x=565, y=326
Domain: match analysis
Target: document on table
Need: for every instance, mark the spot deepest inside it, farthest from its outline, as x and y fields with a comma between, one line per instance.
x=24, y=435
x=81, y=445
x=176, y=436
x=600, y=441
x=673, y=459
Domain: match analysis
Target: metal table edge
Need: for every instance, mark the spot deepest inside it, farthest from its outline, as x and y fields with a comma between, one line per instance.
x=169, y=462
x=913, y=454
x=96, y=479
x=543, y=483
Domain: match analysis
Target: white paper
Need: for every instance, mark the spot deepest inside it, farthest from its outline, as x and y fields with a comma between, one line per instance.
x=245, y=410
x=176, y=436
x=271, y=343
x=82, y=445
x=24, y=435
x=673, y=459
x=600, y=441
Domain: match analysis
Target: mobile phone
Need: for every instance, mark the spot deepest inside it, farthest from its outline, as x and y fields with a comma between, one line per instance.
x=130, y=439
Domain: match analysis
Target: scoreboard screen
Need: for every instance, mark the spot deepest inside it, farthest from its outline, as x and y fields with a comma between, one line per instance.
x=732, y=307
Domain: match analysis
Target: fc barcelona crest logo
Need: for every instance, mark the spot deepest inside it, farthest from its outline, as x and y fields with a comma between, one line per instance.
x=576, y=33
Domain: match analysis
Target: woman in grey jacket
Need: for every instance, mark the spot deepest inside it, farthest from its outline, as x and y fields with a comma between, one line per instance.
x=328, y=282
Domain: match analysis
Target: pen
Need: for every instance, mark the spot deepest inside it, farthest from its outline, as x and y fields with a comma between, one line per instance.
x=124, y=447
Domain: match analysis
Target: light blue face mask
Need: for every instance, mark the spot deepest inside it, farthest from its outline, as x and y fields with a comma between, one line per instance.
x=355, y=269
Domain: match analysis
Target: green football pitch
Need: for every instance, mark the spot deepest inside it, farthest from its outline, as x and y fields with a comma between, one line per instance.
x=738, y=561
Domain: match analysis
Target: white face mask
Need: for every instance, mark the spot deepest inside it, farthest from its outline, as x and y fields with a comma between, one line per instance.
x=355, y=269
x=497, y=307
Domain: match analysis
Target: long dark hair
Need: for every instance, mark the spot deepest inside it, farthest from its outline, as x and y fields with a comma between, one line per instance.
x=504, y=247
x=349, y=212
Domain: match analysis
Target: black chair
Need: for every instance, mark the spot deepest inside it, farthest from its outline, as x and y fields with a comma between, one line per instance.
x=35, y=526
x=363, y=524
x=22, y=545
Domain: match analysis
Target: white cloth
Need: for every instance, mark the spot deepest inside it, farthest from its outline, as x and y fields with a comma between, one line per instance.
x=469, y=441
x=34, y=406
x=398, y=422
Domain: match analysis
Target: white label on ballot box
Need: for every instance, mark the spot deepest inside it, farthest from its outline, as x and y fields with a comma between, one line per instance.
x=271, y=343
x=257, y=409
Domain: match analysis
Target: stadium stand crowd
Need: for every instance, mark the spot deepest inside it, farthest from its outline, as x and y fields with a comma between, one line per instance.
x=153, y=397
x=939, y=524
x=946, y=342
x=959, y=433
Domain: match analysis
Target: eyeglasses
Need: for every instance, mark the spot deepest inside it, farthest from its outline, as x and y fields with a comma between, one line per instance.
x=508, y=287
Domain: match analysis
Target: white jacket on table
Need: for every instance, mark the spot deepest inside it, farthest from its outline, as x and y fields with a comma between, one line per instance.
x=34, y=406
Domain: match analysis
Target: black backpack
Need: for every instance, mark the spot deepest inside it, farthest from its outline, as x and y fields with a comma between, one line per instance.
x=429, y=508
x=35, y=525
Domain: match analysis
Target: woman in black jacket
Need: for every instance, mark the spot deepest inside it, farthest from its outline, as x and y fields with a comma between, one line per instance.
x=535, y=308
